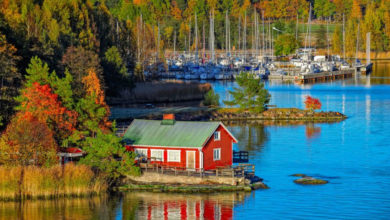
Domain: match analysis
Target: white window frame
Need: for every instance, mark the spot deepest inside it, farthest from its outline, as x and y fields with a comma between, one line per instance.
x=217, y=136
x=136, y=150
x=157, y=159
x=218, y=155
x=174, y=151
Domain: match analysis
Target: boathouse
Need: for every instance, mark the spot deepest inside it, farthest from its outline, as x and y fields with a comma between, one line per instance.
x=188, y=145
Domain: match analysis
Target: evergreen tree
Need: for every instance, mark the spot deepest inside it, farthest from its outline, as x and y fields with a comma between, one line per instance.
x=250, y=95
x=116, y=73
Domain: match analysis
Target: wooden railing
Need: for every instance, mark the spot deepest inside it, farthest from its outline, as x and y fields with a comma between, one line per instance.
x=236, y=171
x=240, y=157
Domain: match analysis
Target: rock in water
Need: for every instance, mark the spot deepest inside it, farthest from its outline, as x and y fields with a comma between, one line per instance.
x=299, y=175
x=259, y=185
x=310, y=181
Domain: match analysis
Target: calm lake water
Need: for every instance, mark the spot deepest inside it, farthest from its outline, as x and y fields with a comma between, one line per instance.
x=354, y=155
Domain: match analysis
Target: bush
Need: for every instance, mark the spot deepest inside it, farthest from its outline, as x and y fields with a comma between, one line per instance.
x=211, y=98
x=107, y=154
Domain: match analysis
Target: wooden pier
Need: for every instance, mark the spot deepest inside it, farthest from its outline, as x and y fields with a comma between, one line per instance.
x=316, y=77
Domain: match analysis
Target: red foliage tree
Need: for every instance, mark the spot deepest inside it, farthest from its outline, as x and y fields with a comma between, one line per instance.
x=41, y=103
x=312, y=103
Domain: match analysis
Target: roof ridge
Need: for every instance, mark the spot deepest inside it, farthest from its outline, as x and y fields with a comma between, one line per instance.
x=179, y=121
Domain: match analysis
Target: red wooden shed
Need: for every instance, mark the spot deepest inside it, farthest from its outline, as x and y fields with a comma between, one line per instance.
x=183, y=144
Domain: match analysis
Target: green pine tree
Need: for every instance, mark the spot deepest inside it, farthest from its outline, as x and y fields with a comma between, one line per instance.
x=250, y=95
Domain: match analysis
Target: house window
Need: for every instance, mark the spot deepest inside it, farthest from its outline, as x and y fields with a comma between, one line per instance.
x=157, y=155
x=173, y=155
x=217, y=136
x=217, y=154
x=141, y=152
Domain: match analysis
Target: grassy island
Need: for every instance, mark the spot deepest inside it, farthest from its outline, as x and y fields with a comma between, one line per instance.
x=276, y=114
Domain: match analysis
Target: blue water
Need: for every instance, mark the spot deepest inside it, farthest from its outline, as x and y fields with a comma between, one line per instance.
x=353, y=155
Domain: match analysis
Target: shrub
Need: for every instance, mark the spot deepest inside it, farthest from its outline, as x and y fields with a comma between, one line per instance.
x=312, y=103
x=211, y=98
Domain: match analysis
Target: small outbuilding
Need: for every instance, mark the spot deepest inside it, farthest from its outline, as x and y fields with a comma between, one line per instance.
x=183, y=144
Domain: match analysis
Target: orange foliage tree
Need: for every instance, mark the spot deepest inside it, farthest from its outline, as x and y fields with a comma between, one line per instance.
x=27, y=141
x=98, y=111
x=312, y=103
x=40, y=103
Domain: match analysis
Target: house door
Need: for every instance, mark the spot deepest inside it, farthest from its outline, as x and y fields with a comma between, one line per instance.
x=191, y=160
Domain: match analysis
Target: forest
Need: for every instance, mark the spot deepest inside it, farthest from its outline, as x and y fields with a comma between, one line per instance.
x=61, y=60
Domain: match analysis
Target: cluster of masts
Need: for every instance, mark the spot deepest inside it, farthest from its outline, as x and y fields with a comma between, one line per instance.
x=260, y=56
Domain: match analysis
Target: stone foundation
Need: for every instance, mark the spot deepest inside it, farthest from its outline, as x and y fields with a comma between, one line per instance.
x=187, y=180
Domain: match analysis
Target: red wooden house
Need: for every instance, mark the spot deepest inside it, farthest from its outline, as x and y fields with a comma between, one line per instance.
x=183, y=144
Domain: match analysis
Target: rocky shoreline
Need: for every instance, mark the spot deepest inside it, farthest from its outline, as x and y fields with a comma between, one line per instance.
x=178, y=188
x=282, y=115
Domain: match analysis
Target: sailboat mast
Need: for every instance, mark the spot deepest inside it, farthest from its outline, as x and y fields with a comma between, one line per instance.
x=244, y=41
x=138, y=38
x=357, y=42
x=262, y=16
x=343, y=37
x=296, y=28
x=196, y=39
x=204, y=41
x=174, y=44
x=189, y=38
x=226, y=33
x=327, y=36
x=310, y=29
x=239, y=33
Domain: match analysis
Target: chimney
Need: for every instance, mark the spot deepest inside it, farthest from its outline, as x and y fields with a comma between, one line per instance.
x=168, y=119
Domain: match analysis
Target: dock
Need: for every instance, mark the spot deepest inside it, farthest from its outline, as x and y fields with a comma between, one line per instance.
x=315, y=77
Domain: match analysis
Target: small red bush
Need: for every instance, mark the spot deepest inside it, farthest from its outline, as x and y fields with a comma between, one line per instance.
x=312, y=103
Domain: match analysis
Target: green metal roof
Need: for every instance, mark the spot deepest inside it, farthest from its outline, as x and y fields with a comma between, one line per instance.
x=178, y=134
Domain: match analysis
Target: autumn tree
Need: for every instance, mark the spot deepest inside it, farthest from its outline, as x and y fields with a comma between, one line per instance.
x=374, y=24
x=312, y=103
x=78, y=61
x=356, y=11
x=285, y=44
x=27, y=141
x=93, y=112
x=10, y=79
x=337, y=40
x=324, y=8
x=39, y=102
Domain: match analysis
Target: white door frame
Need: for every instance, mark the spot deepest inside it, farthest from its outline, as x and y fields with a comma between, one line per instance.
x=187, y=153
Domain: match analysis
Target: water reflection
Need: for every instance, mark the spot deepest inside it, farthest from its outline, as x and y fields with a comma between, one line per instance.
x=179, y=206
x=136, y=205
x=252, y=135
x=75, y=208
x=312, y=131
